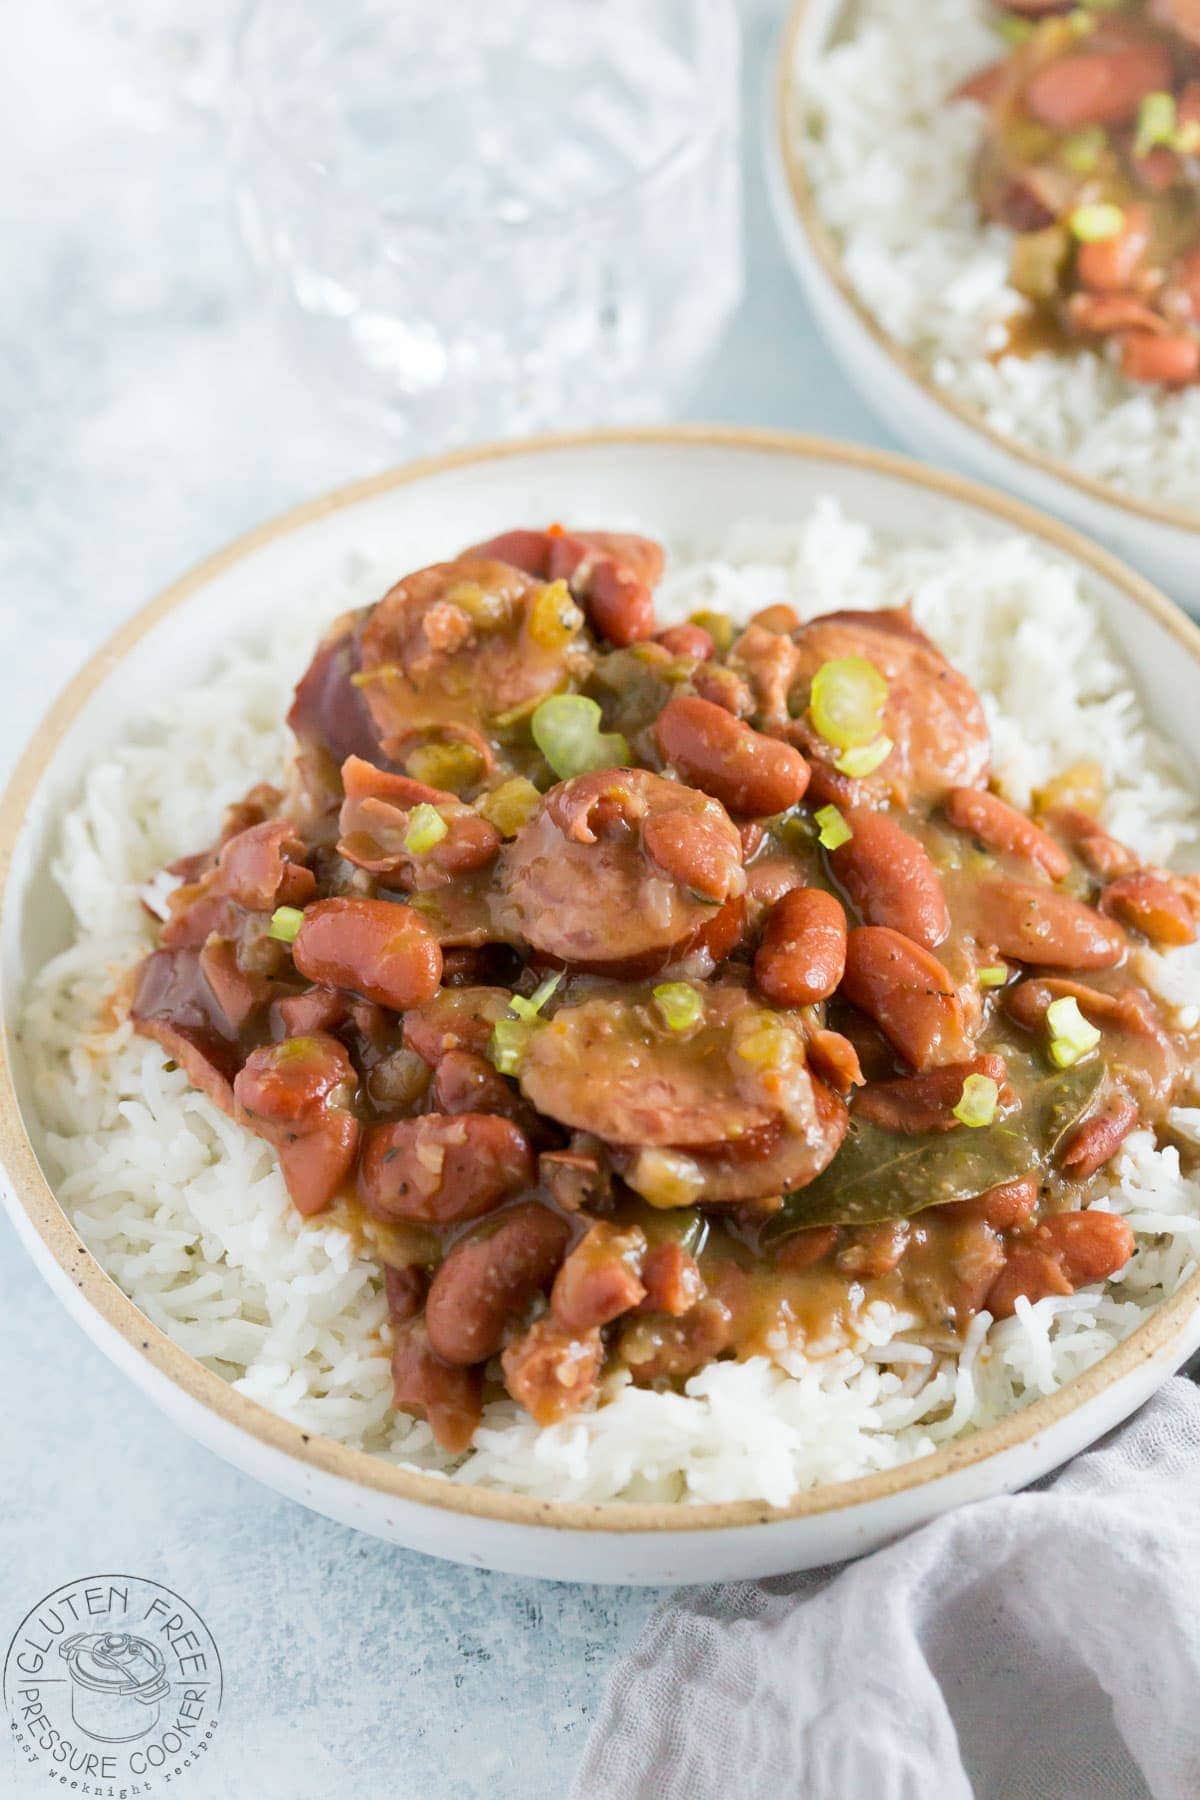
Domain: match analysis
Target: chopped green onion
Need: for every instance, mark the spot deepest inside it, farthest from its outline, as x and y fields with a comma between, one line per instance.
x=679, y=1004
x=566, y=729
x=426, y=827
x=992, y=975
x=285, y=924
x=1186, y=140
x=719, y=627
x=980, y=1098
x=1014, y=30
x=1097, y=223
x=506, y=1046
x=529, y=1009
x=1156, y=122
x=865, y=758
x=847, y=701
x=834, y=830
x=1083, y=149
x=1070, y=1034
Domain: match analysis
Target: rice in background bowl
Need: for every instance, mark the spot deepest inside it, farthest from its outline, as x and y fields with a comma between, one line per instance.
x=189, y=1213
x=889, y=158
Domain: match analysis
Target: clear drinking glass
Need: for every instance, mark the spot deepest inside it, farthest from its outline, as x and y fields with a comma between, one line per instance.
x=486, y=216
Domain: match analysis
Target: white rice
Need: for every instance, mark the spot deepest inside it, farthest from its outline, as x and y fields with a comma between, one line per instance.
x=190, y=1216
x=890, y=160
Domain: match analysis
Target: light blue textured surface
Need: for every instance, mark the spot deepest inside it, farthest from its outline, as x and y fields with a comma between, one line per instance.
x=147, y=415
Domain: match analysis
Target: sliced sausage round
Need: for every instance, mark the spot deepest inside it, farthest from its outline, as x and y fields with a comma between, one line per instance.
x=620, y=870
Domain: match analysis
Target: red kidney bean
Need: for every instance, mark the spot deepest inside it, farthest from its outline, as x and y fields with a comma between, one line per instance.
x=1001, y=827
x=779, y=617
x=455, y=1019
x=1091, y=1245
x=919, y=1103
x=1097, y=87
x=1043, y=926
x=1092, y=844
x=450, y=1398
x=601, y=1278
x=374, y=947
x=621, y=607
x=908, y=994
x=1096, y=1139
x=687, y=640
x=441, y=1168
x=746, y=771
x=803, y=951
x=1149, y=356
x=405, y=1290
x=1099, y=315
x=296, y=1095
x=1149, y=904
x=889, y=877
x=1029, y=1273
x=1004, y=1208
x=489, y=1276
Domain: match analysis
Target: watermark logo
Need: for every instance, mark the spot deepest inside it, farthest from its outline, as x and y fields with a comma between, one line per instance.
x=113, y=1687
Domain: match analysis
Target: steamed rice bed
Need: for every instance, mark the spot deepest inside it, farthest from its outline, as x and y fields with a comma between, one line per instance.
x=890, y=159
x=190, y=1215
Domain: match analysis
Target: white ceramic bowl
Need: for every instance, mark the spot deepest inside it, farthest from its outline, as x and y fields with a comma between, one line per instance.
x=690, y=482
x=1162, y=540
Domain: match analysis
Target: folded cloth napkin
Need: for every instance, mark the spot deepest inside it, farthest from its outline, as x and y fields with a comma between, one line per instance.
x=1039, y=1646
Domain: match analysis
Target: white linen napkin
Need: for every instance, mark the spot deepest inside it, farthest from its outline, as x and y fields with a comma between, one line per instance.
x=1039, y=1646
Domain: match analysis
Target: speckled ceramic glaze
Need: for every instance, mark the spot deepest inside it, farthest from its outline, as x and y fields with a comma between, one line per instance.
x=686, y=482
x=1162, y=540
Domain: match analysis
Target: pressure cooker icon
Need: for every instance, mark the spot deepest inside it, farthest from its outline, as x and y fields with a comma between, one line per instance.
x=117, y=1682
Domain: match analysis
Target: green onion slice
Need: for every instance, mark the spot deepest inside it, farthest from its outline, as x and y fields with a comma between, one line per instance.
x=506, y=1046
x=1156, y=122
x=847, y=701
x=1083, y=149
x=679, y=1004
x=833, y=830
x=566, y=729
x=1070, y=1034
x=426, y=827
x=1096, y=223
x=865, y=758
x=992, y=975
x=285, y=924
x=529, y=1009
x=979, y=1100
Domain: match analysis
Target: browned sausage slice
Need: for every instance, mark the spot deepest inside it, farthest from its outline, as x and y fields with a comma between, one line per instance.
x=932, y=714
x=614, y=1068
x=461, y=641
x=620, y=870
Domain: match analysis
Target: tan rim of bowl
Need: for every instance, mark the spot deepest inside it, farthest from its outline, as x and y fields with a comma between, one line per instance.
x=825, y=248
x=34, y=1195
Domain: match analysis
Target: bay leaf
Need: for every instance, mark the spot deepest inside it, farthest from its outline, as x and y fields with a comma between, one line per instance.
x=878, y=1174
